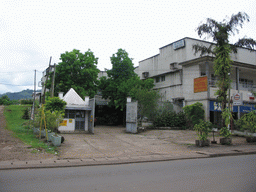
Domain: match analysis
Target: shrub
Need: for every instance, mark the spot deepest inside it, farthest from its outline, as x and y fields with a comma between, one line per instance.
x=26, y=102
x=26, y=113
x=225, y=132
x=55, y=104
x=202, y=129
x=247, y=122
x=194, y=113
x=166, y=117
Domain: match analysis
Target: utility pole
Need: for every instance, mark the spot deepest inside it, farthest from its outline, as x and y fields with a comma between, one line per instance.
x=33, y=108
x=53, y=80
x=47, y=74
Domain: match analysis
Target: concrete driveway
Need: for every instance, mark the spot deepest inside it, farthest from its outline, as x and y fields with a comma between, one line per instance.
x=114, y=142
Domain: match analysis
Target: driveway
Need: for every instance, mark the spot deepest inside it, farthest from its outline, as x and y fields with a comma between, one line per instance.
x=109, y=142
x=114, y=142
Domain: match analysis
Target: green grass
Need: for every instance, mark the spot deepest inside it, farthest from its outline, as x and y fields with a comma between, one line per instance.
x=22, y=130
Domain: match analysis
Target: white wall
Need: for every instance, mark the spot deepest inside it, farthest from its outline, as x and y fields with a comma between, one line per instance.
x=70, y=125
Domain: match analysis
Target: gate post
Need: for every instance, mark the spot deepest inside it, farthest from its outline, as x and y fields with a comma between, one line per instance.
x=131, y=116
x=91, y=115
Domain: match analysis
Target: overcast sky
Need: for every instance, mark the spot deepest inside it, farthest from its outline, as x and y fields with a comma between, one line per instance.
x=32, y=31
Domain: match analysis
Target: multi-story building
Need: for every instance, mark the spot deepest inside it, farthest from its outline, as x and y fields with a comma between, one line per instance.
x=184, y=78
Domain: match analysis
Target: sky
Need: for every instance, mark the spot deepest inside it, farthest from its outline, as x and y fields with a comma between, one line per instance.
x=33, y=31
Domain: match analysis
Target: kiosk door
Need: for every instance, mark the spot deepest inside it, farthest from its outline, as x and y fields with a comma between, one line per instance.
x=80, y=120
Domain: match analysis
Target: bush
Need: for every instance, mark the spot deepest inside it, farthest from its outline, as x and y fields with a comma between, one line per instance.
x=26, y=113
x=225, y=132
x=55, y=104
x=166, y=117
x=194, y=113
x=247, y=122
x=26, y=102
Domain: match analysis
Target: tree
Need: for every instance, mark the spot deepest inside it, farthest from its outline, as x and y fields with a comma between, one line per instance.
x=115, y=87
x=4, y=100
x=220, y=33
x=78, y=71
x=122, y=82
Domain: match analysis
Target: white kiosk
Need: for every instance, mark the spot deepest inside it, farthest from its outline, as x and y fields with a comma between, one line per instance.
x=79, y=113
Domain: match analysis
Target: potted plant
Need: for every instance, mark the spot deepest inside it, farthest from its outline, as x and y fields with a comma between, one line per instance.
x=225, y=132
x=203, y=128
x=53, y=120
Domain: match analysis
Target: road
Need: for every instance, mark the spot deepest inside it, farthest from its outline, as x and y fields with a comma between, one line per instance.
x=234, y=173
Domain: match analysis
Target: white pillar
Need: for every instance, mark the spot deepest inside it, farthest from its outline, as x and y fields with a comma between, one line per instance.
x=61, y=95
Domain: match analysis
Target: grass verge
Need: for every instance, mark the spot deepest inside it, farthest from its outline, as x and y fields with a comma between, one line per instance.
x=21, y=129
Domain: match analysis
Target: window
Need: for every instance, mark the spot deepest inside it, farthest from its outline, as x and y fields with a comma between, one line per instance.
x=163, y=78
x=203, y=73
x=246, y=83
x=157, y=79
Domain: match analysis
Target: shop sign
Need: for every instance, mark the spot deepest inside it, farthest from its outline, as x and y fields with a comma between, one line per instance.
x=216, y=106
x=200, y=84
x=63, y=123
x=237, y=99
x=247, y=108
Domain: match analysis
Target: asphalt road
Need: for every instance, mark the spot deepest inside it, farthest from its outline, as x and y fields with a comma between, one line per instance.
x=233, y=173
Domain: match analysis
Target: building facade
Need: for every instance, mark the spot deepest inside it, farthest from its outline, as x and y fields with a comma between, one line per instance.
x=184, y=78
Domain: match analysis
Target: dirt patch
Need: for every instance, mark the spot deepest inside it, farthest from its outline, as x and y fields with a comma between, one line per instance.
x=12, y=148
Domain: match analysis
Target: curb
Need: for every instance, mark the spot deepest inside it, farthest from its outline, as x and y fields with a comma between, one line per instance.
x=8, y=165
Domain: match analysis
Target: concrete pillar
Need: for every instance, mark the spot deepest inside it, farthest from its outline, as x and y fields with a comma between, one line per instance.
x=61, y=95
x=86, y=99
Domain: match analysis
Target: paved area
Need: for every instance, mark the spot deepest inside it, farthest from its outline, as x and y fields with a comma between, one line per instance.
x=112, y=145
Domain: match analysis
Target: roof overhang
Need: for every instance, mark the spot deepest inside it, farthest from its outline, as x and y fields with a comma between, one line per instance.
x=78, y=107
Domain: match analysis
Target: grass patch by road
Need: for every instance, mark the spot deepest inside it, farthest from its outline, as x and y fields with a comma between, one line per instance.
x=21, y=129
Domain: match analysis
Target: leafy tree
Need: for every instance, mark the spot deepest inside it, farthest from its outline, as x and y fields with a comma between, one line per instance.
x=122, y=82
x=220, y=33
x=115, y=87
x=147, y=97
x=194, y=113
x=78, y=71
x=4, y=100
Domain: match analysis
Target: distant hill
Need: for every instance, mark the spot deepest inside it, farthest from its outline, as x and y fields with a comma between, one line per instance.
x=25, y=94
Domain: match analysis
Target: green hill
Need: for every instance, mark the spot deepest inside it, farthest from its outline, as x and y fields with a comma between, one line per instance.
x=25, y=94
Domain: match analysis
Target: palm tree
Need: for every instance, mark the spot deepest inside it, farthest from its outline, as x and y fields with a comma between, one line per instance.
x=221, y=49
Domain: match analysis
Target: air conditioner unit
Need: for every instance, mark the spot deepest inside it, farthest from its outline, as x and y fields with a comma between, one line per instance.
x=145, y=74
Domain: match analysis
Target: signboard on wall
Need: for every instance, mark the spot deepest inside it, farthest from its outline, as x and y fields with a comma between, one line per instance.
x=63, y=123
x=179, y=44
x=200, y=84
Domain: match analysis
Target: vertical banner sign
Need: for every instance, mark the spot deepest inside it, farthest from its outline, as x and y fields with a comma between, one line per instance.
x=200, y=84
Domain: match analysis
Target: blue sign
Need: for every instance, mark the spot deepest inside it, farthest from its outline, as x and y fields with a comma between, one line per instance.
x=216, y=106
x=246, y=108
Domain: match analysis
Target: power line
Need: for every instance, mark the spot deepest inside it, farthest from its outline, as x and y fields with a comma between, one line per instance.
x=21, y=71
x=15, y=85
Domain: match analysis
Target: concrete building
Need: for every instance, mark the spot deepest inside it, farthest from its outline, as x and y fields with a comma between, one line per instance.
x=184, y=78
